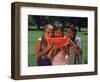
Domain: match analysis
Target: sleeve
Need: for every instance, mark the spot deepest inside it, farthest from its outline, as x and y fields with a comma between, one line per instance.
x=79, y=43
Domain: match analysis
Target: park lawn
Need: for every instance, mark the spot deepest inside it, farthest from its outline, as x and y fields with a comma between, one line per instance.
x=84, y=37
x=32, y=38
x=34, y=35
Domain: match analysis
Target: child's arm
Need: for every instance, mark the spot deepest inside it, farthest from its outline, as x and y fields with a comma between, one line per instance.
x=50, y=53
x=78, y=50
x=38, y=48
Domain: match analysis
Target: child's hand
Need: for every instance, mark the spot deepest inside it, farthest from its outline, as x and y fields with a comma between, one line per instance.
x=73, y=44
x=48, y=48
x=67, y=43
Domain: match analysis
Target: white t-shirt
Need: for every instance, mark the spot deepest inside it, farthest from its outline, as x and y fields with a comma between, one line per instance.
x=78, y=43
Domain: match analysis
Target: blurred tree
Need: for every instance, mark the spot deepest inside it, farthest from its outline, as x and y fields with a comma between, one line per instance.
x=34, y=20
x=31, y=21
x=37, y=21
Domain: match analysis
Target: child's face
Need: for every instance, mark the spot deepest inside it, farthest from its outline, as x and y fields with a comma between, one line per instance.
x=70, y=33
x=48, y=33
x=58, y=33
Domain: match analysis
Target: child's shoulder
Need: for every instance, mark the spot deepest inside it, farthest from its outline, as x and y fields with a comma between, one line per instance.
x=39, y=39
x=77, y=39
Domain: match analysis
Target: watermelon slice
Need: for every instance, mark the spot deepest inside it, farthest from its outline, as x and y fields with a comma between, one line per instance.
x=57, y=41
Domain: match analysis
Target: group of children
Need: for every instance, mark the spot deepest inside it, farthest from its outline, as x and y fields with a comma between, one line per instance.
x=69, y=53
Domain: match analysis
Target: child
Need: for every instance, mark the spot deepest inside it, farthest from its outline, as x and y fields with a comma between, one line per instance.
x=59, y=52
x=42, y=49
x=75, y=48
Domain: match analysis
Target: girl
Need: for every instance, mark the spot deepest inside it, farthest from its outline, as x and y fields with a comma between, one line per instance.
x=60, y=51
x=42, y=48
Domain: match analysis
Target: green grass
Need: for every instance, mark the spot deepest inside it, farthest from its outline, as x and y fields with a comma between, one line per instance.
x=32, y=38
x=34, y=35
x=84, y=37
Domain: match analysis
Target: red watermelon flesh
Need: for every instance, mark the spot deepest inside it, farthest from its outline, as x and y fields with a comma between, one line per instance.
x=57, y=41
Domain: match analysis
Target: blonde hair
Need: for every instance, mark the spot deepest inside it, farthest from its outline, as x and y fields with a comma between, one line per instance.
x=47, y=26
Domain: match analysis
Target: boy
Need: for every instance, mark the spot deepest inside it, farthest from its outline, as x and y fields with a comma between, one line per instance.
x=75, y=47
